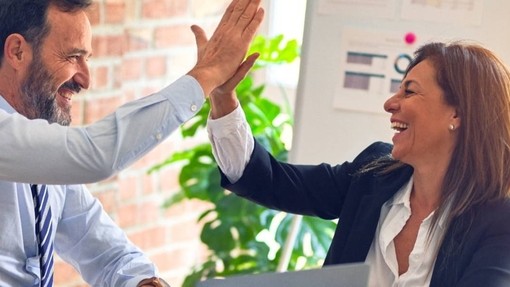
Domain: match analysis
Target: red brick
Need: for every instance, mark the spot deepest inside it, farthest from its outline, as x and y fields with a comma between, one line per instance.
x=77, y=111
x=129, y=94
x=138, y=39
x=96, y=109
x=190, y=208
x=177, y=258
x=147, y=184
x=128, y=187
x=65, y=273
x=150, y=211
x=132, y=69
x=94, y=14
x=133, y=214
x=108, y=199
x=163, y=8
x=172, y=36
x=115, y=12
x=108, y=45
x=149, y=90
x=208, y=8
x=155, y=66
x=127, y=215
x=146, y=239
x=169, y=177
x=185, y=231
x=100, y=78
x=175, y=280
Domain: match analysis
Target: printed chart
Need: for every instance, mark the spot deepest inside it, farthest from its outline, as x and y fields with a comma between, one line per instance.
x=372, y=67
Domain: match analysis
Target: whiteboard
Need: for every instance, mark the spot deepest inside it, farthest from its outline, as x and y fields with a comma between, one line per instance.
x=335, y=121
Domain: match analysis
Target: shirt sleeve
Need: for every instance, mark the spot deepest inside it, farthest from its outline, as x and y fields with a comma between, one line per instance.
x=232, y=143
x=76, y=155
x=93, y=244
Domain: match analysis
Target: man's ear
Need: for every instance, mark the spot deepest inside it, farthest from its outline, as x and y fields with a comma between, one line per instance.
x=17, y=51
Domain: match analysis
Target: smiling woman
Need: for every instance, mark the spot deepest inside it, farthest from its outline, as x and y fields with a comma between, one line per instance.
x=432, y=210
x=422, y=117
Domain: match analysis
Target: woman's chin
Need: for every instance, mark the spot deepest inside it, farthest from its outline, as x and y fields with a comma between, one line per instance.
x=396, y=154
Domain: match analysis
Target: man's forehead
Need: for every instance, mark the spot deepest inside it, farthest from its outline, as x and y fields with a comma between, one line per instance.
x=70, y=30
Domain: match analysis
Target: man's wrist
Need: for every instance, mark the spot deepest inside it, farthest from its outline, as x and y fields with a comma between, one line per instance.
x=154, y=282
x=205, y=77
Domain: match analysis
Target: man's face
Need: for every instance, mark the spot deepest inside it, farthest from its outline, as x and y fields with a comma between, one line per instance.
x=40, y=92
x=59, y=69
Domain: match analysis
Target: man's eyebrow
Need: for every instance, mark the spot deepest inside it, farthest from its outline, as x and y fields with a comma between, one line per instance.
x=80, y=51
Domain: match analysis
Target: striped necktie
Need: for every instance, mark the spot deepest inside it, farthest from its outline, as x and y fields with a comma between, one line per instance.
x=43, y=230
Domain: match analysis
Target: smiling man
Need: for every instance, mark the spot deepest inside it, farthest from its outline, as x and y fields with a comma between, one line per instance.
x=48, y=75
x=42, y=69
x=43, y=64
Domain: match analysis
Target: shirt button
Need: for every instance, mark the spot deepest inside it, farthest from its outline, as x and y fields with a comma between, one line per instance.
x=193, y=108
x=159, y=136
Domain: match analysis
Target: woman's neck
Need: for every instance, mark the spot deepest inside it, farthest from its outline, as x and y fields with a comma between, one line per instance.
x=427, y=186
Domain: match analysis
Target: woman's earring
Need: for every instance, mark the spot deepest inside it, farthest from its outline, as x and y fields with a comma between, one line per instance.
x=451, y=127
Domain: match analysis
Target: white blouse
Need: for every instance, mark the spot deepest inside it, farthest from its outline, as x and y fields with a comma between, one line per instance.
x=382, y=257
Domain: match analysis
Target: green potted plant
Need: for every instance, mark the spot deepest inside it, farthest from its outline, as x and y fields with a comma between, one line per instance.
x=243, y=237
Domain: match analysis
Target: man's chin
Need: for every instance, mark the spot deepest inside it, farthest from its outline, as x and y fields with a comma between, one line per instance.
x=66, y=121
x=61, y=118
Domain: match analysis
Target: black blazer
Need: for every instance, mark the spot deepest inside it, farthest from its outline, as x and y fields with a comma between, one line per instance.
x=476, y=248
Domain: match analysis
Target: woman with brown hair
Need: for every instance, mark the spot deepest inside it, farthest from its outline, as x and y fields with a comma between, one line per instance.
x=430, y=210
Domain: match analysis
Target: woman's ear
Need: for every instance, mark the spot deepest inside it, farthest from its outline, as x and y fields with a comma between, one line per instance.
x=17, y=51
x=455, y=120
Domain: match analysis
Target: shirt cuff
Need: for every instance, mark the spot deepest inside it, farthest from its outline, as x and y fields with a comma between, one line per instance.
x=224, y=126
x=186, y=95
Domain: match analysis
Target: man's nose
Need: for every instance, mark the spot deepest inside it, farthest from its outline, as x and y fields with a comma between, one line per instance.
x=82, y=77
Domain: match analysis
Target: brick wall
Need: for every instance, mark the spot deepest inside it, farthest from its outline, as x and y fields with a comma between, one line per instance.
x=139, y=47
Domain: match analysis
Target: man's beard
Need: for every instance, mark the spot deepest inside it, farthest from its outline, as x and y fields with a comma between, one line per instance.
x=39, y=95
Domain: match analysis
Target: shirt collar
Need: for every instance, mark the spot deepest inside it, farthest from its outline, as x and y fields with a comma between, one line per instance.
x=403, y=197
x=4, y=105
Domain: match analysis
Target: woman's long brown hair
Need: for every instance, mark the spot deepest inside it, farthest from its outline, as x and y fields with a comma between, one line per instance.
x=477, y=84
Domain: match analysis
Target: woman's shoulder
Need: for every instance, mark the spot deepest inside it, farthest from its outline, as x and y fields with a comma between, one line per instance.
x=497, y=208
x=375, y=150
x=377, y=159
x=493, y=215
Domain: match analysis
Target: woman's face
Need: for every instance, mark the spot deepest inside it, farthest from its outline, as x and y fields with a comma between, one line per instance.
x=421, y=119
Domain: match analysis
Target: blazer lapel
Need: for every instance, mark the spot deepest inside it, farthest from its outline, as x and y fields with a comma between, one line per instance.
x=367, y=216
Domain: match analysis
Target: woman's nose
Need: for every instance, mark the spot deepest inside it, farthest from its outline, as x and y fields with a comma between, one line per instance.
x=391, y=104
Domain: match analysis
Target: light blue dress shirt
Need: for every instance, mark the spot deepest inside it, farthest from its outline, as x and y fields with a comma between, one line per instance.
x=86, y=237
x=72, y=155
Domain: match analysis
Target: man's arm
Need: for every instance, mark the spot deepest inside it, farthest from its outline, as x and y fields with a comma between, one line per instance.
x=71, y=155
x=93, y=244
x=35, y=151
